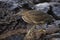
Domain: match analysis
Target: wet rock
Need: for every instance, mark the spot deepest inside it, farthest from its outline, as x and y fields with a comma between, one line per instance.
x=4, y=5
x=39, y=1
x=35, y=1
x=57, y=22
x=15, y=37
x=51, y=36
x=4, y=0
x=52, y=28
x=56, y=10
x=55, y=39
x=8, y=5
x=42, y=6
x=9, y=21
x=55, y=0
x=21, y=3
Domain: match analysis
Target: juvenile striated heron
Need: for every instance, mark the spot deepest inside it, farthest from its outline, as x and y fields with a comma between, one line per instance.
x=36, y=18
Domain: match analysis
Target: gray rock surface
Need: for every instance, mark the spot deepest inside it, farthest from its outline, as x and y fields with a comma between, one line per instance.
x=55, y=39
x=42, y=6
x=56, y=10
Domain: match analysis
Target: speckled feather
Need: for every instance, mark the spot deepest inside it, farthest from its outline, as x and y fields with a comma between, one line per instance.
x=36, y=17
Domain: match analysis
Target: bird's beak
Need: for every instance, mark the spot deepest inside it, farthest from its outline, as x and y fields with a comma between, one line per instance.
x=19, y=14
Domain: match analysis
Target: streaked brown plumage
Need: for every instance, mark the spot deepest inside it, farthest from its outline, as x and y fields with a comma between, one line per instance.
x=35, y=17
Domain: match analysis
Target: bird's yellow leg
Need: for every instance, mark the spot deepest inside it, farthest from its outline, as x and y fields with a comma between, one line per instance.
x=31, y=30
x=42, y=30
x=30, y=35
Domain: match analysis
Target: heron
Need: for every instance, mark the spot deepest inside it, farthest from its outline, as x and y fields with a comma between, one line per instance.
x=36, y=18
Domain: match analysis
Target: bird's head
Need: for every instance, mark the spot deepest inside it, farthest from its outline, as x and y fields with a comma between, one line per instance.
x=22, y=12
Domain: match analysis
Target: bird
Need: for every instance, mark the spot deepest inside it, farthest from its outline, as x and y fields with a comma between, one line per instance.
x=36, y=18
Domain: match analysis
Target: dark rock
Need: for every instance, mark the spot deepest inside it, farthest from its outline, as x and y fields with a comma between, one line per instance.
x=40, y=1
x=8, y=5
x=56, y=10
x=22, y=3
x=57, y=22
x=15, y=37
x=4, y=5
x=55, y=39
x=9, y=21
x=51, y=36
x=55, y=0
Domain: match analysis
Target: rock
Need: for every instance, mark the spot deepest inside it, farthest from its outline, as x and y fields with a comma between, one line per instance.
x=56, y=10
x=15, y=37
x=40, y=1
x=55, y=0
x=8, y=5
x=9, y=21
x=55, y=7
x=42, y=6
x=55, y=39
x=51, y=36
x=57, y=22
x=22, y=3
x=4, y=0
x=52, y=28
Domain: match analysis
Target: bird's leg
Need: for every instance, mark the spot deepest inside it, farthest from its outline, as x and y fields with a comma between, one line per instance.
x=42, y=29
x=31, y=30
x=30, y=34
